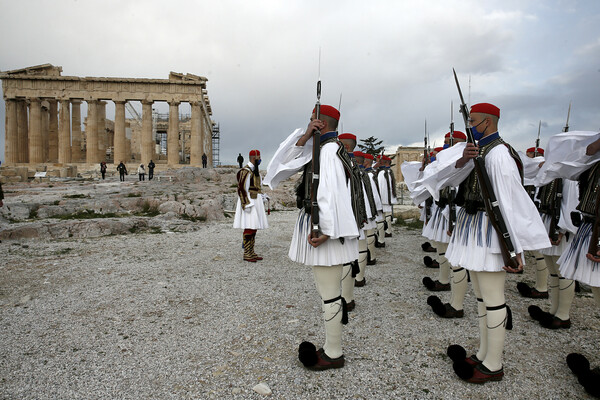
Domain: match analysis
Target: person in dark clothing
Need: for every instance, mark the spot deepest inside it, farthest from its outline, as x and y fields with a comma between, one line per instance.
x=151, y=167
x=1, y=195
x=122, y=171
x=103, y=169
x=240, y=160
x=204, y=160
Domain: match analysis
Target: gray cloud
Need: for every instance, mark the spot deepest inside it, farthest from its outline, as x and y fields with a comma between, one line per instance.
x=391, y=61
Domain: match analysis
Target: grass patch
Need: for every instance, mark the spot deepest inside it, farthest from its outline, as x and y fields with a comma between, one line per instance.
x=410, y=223
x=133, y=229
x=33, y=214
x=188, y=217
x=76, y=196
x=56, y=202
x=134, y=195
x=66, y=250
x=155, y=230
x=87, y=214
x=148, y=210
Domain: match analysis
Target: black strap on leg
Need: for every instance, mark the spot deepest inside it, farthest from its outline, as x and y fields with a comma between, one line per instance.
x=507, y=320
x=344, y=308
x=355, y=268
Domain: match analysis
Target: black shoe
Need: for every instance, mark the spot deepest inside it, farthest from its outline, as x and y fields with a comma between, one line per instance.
x=430, y=263
x=379, y=245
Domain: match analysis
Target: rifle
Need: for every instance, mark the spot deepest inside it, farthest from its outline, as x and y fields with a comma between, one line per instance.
x=566, y=128
x=487, y=193
x=452, y=194
x=537, y=141
x=427, y=160
x=314, y=206
x=555, y=210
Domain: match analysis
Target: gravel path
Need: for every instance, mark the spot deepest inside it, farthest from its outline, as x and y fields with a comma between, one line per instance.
x=181, y=316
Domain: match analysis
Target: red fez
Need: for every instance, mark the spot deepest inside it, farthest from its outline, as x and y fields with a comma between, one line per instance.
x=438, y=149
x=254, y=153
x=532, y=150
x=457, y=135
x=359, y=153
x=386, y=158
x=368, y=156
x=486, y=108
x=329, y=111
x=347, y=136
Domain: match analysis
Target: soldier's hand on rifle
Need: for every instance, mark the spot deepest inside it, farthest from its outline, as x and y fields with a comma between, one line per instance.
x=593, y=148
x=424, y=163
x=519, y=266
x=557, y=241
x=471, y=151
x=313, y=126
x=316, y=242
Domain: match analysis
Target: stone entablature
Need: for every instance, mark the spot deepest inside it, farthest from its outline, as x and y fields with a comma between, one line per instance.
x=39, y=101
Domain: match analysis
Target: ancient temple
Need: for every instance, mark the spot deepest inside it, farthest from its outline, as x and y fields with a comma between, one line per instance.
x=43, y=118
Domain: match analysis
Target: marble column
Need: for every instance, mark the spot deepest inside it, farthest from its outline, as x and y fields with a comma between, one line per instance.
x=11, y=143
x=195, y=138
x=53, y=131
x=36, y=151
x=147, y=142
x=64, y=135
x=76, y=153
x=23, y=131
x=102, y=136
x=120, y=153
x=91, y=133
x=45, y=126
x=173, y=134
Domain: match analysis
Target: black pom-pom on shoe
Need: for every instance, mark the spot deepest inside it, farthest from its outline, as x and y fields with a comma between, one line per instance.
x=456, y=352
x=536, y=313
x=307, y=354
x=578, y=363
x=463, y=369
x=428, y=282
x=425, y=246
x=433, y=301
x=524, y=289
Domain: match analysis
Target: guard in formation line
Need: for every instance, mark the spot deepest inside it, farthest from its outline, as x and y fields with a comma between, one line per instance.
x=555, y=217
x=482, y=219
x=349, y=205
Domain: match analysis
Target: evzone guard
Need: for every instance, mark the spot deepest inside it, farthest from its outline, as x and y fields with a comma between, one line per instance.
x=364, y=257
x=475, y=244
x=250, y=209
x=372, y=233
x=534, y=157
x=351, y=270
x=439, y=230
x=336, y=242
x=576, y=156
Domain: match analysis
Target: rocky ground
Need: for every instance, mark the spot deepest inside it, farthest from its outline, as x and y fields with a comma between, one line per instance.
x=170, y=310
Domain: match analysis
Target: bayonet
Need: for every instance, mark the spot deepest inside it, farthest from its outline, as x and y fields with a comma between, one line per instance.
x=537, y=141
x=566, y=128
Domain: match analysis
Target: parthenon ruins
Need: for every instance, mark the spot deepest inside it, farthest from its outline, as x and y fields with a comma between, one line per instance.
x=43, y=119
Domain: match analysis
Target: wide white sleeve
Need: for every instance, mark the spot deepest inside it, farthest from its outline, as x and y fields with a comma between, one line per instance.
x=336, y=218
x=382, y=187
x=443, y=172
x=288, y=159
x=566, y=158
x=531, y=167
x=522, y=218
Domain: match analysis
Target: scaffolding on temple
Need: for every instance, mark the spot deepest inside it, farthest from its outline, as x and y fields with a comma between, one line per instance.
x=216, y=138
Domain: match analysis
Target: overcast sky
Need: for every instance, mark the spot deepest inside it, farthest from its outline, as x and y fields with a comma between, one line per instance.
x=390, y=60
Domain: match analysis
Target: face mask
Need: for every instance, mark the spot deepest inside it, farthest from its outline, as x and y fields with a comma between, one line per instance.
x=257, y=162
x=432, y=158
x=446, y=146
x=476, y=134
